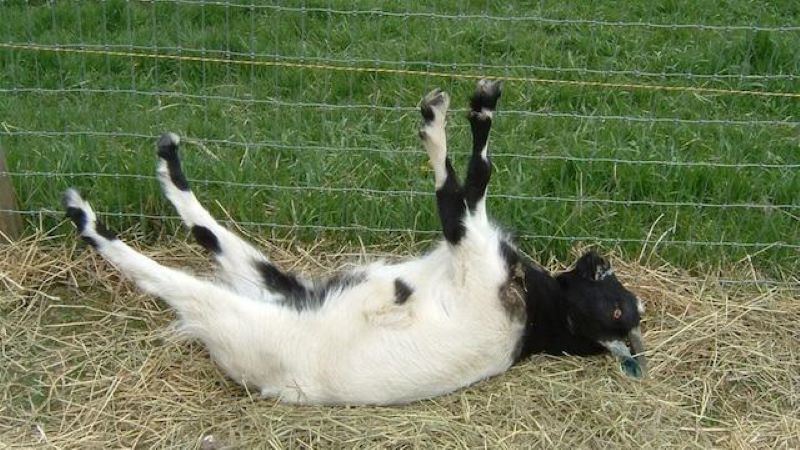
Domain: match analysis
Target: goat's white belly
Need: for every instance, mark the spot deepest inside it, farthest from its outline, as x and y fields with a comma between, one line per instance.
x=387, y=365
x=362, y=346
x=368, y=357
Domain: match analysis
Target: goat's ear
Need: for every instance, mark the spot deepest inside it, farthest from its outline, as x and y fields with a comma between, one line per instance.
x=592, y=266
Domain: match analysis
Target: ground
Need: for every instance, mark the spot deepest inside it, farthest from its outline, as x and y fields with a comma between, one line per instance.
x=89, y=362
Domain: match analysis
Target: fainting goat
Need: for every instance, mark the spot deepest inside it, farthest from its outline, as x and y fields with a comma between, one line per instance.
x=383, y=333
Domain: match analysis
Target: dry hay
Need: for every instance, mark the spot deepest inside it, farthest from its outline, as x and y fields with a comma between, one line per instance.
x=85, y=361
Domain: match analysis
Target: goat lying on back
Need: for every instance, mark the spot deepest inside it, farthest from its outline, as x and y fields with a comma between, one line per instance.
x=383, y=333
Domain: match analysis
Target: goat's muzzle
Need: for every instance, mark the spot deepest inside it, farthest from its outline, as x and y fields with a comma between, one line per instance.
x=633, y=365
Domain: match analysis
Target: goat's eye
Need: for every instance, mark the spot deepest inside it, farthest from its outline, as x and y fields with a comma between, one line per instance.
x=616, y=314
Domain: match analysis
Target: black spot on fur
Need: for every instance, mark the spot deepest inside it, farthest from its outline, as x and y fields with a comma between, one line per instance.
x=168, y=151
x=402, y=291
x=479, y=170
x=89, y=241
x=427, y=113
x=480, y=126
x=103, y=231
x=206, y=239
x=336, y=283
x=435, y=98
x=451, y=206
x=304, y=297
x=78, y=217
x=280, y=282
x=343, y=281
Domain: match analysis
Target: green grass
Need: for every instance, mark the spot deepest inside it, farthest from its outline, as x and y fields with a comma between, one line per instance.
x=285, y=143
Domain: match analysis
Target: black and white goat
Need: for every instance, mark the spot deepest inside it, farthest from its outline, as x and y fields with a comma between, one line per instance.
x=383, y=333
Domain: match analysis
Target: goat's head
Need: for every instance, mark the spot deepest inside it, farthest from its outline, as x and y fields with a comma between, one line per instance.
x=601, y=309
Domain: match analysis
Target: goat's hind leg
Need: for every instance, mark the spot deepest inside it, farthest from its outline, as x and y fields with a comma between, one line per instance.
x=195, y=300
x=449, y=194
x=242, y=267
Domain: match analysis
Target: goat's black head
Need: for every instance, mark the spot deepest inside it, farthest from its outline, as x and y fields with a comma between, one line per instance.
x=601, y=309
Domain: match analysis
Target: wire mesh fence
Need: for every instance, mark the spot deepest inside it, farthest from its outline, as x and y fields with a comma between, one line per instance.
x=677, y=134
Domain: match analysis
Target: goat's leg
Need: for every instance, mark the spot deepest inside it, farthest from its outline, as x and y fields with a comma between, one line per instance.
x=241, y=266
x=449, y=194
x=195, y=300
x=482, y=106
x=481, y=260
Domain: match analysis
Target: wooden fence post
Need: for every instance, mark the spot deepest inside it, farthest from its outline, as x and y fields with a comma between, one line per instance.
x=10, y=221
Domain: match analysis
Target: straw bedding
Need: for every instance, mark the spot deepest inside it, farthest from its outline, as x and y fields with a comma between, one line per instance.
x=87, y=361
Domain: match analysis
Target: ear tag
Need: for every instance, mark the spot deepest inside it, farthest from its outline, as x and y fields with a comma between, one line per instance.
x=617, y=314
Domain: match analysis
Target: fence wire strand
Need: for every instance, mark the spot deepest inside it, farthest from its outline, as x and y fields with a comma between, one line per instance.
x=405, y=62
x=305, y=147
x=105, y=54
x=434, y=233
x=412, y=193
x=394, y=71
x=488, y=17
x=402, y=109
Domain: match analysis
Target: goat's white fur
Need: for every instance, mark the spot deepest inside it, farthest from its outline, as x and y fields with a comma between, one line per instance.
x=360, y=346
x=434, y=138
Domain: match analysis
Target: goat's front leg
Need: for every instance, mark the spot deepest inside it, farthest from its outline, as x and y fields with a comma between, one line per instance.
x=449, y=194
x=242, y=267
x=482, y=107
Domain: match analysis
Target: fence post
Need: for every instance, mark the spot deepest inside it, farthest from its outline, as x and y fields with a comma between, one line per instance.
x=10, y=221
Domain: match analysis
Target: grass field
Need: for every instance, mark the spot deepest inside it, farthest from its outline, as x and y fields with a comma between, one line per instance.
x=300, y=124
x=291, y=146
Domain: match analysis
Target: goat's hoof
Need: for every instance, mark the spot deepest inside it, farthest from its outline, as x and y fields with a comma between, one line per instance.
x=168, y=146
x=487, y=92
x=434, y=105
